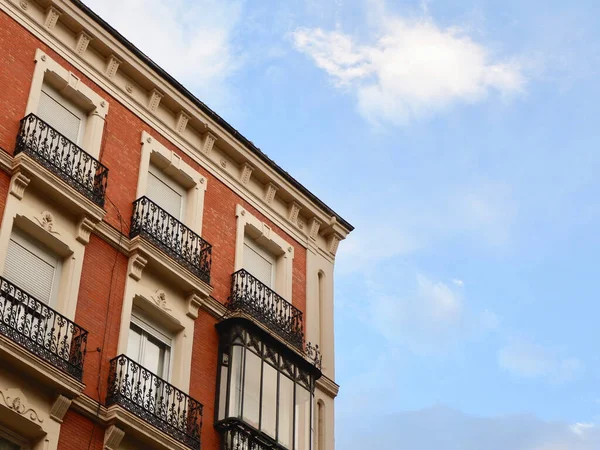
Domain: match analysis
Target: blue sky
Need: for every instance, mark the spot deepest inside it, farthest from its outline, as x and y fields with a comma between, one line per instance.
x=461, y=139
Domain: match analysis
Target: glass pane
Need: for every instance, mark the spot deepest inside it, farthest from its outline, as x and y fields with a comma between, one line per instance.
x=133, y=343
x=251, y=388
x=286, y=410
x=5, y=444
x=154, y=357
x=222, y=392
x=235, y=389
x=268, y=421
x=303, y=405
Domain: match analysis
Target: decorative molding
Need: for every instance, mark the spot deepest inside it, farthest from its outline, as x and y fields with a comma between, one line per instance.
x=52, y=15
x=223, y=163
x=194, y=302
x=182, y=121
x=24, y=5
x=333, y=242
x=315, y=224
x=84, y=229
x=129, y=88
x=15, y=400
x=294, y=210
x=136, y=266
x=59, y=408
x=113, y=437
x=154, y=99
x=160, y=299
x=112, y=65
x=46, y=221
x=18, y=183
x=81, y=45
x=328, y=386
x=246, y=173
x=209, y=142
x=270, y=192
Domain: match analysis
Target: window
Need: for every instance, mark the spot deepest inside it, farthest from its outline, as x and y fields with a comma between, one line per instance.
x=149, y=347
x=32, y=267
x=265, y=389
x=61, y=114
x=165, y=192
x=5, y=444
x=259, y=262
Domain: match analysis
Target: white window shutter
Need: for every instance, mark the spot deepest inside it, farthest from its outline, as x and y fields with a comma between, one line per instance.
x=30, y=272
x=165, y=195
x=258, y=265
x=54, y=112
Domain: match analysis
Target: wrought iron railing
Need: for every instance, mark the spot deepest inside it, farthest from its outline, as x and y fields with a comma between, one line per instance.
x=240, y=438
x=63, y=158
x=41, y=330
x=174, y=238
x=153, y=399
x=250, y=295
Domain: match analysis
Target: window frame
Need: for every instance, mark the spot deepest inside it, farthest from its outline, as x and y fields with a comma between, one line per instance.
x=40, y=250
x=148, y=327
x=70, y=85
x=263, y=253
x=172, y=184
x=67, y=104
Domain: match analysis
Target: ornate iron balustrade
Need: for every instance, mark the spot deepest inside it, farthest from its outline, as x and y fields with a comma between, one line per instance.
x=239, y=437
x=41, y=330
x=174, y=238
x=153, y=399
x=250, y=295
x=62, y=157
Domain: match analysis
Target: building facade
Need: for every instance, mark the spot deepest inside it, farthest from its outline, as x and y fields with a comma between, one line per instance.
x=164, y=284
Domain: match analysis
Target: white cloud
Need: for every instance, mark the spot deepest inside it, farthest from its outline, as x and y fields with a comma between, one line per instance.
x=192, y=40
x=457, y=282
x=414, y=68
x=581, y=429
x=529, y=360
x=431, y=317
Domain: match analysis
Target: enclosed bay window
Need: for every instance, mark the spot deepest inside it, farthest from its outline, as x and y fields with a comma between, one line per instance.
x=265, y=389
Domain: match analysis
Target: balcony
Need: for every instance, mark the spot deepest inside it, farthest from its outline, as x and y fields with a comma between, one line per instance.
x=249, y=295
x=41, y=330
x=239, y=437
x=154, y=400
x=162, y=229
x=63, y=158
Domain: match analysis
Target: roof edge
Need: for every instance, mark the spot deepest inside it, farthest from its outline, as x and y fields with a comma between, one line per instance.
x=207, y=110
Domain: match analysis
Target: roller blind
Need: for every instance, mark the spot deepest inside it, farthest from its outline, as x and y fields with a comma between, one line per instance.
x=56, y=111
x=166, y=194
x=259, y=264
x=31, y=270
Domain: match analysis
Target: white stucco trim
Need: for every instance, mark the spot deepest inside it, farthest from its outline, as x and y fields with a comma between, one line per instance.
x=69, y=85
x=171, y=163
x=262, y=234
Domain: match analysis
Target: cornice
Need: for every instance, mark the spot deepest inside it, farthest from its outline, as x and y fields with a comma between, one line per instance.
x=201, y=119
x=328, y=386
x=39, y=368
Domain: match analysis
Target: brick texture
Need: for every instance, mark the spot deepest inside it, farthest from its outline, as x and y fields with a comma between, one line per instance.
x=101, y=292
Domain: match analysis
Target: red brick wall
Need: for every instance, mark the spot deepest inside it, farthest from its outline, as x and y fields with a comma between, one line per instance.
x=100, y=301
